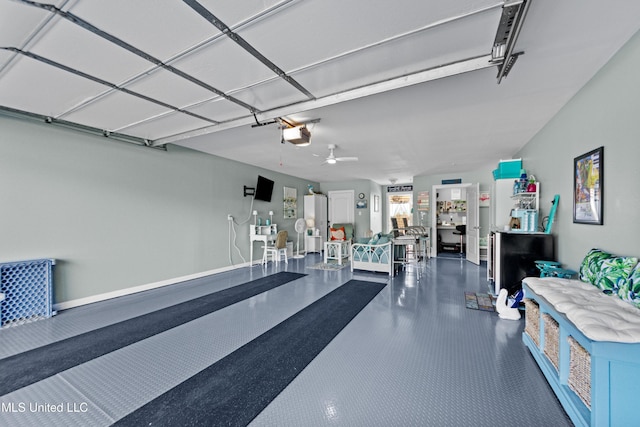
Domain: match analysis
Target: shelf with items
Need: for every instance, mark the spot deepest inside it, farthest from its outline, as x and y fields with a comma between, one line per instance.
x=528, y=199
x=451, y=206
x=263, y=230
x=483, y=247
x=524, y=213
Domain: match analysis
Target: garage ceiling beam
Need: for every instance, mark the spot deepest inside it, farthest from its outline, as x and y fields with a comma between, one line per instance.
x=224, y=29
x=98, y=80
x=435, y=73
x=142, y=54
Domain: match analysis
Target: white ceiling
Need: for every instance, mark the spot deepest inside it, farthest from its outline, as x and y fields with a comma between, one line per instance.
x=372, y=77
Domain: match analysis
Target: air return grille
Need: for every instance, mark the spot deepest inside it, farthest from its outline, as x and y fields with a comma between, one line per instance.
x=27, y=288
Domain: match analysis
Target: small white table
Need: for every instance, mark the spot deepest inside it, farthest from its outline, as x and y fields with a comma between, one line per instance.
x=337, y=249
x=313, y=243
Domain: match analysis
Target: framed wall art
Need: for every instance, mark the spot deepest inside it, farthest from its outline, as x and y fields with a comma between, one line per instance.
x=290, y=202
x=423, y=201
x=588, y=179
x=484, y=199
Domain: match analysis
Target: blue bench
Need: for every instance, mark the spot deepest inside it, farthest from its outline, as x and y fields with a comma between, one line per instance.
x=596, y=380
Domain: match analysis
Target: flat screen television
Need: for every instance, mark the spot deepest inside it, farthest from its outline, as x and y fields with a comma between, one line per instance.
x=264, y=189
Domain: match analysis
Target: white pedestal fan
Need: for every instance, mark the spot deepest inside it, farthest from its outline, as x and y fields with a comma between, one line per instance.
x=300, y=227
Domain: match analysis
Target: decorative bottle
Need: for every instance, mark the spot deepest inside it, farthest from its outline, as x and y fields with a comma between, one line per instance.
x=523, y=181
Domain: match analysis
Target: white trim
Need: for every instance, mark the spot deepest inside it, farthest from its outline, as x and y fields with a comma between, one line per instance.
x=128, y=291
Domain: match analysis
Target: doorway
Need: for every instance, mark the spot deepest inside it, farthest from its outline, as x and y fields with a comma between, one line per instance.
x=341, y=207
x=456, y=205
x=400, y=208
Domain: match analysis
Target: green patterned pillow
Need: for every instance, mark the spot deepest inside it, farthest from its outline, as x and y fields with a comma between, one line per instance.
x=590, y=267
x=629, y=291
x=614, y=273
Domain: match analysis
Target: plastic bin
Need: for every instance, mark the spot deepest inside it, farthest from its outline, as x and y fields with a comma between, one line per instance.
x=510, y=168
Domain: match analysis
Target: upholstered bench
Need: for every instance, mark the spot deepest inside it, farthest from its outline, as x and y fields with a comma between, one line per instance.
x=585, y=336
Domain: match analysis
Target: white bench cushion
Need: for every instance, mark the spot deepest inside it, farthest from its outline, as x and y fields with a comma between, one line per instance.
x=598, y=316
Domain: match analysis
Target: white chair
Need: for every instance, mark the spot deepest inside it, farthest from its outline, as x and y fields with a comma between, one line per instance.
x=278, y=250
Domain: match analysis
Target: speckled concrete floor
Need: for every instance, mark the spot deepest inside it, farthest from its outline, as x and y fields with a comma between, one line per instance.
x=415, y=356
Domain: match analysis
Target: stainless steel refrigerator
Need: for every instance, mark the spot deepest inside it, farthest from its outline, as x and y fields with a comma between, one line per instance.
x=512, y=257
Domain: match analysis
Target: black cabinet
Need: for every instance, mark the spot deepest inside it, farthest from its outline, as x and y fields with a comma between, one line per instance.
x=513, y=257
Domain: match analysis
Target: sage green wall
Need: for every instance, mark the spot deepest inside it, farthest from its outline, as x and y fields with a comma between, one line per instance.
x=362, y=216
x=606, y=112
x=115, y=215
x=420, y=183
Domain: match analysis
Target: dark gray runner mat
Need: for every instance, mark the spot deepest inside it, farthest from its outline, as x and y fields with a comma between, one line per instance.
x=26, y=368
x=234, y=390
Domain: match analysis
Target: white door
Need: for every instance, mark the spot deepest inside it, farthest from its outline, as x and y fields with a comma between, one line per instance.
x=472, y=221
x=375, y=216
x=341, y=207
x=473, y=224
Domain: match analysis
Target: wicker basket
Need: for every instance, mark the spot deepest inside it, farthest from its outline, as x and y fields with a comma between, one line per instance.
x=580, y=371
x=532, y=320
x=551, y=339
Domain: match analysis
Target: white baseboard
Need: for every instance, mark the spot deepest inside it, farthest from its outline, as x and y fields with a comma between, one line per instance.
x=122, y=292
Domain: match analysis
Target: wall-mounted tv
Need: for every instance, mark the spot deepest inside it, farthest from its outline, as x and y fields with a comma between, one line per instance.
x=264, y=189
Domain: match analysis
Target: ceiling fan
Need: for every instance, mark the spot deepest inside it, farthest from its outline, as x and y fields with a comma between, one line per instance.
x=332, y=159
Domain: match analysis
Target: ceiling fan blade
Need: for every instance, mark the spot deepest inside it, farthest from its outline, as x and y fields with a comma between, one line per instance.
x=347, y=159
